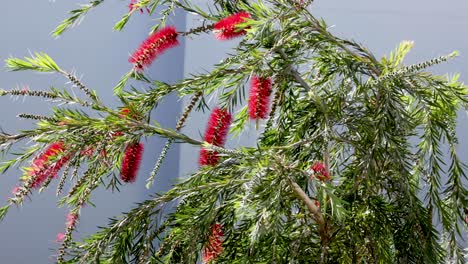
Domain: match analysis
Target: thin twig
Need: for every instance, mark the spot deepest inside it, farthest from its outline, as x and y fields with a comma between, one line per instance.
x=197, y=30
x=80, y=85
x=179, y=126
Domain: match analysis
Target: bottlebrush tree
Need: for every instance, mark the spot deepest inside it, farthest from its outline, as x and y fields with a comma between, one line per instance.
x=356, y=161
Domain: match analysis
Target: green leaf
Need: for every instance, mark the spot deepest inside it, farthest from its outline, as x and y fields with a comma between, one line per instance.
x=123, y=81
x=75, y=18
x=122, y=22
x=40, y=62
x=239, y=122
x=396, y=57
x=4, y=211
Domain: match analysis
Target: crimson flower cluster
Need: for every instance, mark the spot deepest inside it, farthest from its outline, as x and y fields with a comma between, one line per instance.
x=70, y=222
x=227, y=28
x=160, y=41
x=153, y=46
x=71, y=219
x=214, y=247
x=131, y=162
x=320, y=171
x=215, y=134
x=42, y=166
x=259, y=97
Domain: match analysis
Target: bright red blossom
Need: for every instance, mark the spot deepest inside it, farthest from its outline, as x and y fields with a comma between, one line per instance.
x=131, y=162
x=215, y=134
x=214, y=246
x=153, y=46
x=259, y=98
x=226, y=28
x=320, y=171
x=42, y=168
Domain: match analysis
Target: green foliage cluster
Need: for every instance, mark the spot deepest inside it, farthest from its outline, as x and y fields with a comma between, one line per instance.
x=384, y=130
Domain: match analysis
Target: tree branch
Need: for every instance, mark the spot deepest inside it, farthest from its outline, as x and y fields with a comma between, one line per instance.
x=316, y=214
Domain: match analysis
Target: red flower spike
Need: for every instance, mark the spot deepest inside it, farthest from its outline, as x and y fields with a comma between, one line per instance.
x=226, y=28
x=153, y=46
x=259, y=98
x=320, y=171
x=215, y=134
x=131, y=162
x=41, y=169
x=60, y=237
x=71, y=220
x=214, y=246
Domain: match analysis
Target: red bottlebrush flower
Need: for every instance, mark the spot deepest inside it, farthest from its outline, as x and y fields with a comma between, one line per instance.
x=320, y=171
x=226, y=28
x=215, y=134
x=214, y=246
x=60, y=237
x=124, y=112
x=41, y=167
x=131, y=162
x=259, y=98
x=71, y=220
x=153, y=46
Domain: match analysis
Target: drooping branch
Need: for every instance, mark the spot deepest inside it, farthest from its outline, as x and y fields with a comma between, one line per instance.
x=197, y=30
x=5, y=138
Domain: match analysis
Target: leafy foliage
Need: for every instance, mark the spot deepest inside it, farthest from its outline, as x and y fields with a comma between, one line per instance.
x=75, y=17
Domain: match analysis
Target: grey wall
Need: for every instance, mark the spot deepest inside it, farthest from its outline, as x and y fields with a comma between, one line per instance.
x=100, y=56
